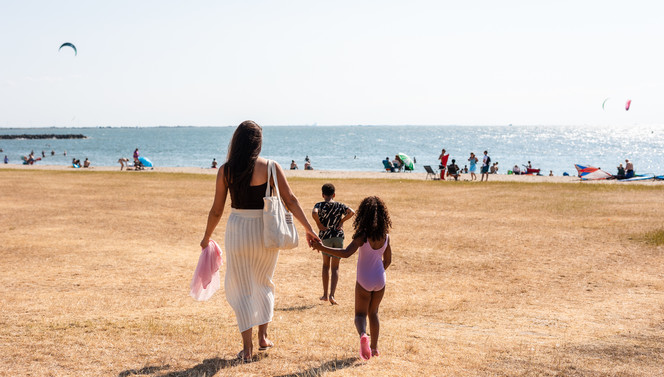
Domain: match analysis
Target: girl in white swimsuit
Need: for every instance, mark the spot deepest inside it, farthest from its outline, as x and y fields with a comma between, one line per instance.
x=371, y=224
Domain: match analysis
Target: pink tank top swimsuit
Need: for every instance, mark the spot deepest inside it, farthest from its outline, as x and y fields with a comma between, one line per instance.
x=370, y=270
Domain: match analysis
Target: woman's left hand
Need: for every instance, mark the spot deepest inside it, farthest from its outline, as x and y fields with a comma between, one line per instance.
x=311, y=238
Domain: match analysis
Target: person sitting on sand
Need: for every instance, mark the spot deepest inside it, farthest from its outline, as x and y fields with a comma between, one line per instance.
x=550, y=173
x=453, y=170
x=214, y=163
x=374, y=257
x=86, y=163
x=293, y=165
x=307, y=166
x=621, y=172
x=516, y=170
x=330, y=217
x=398, y=164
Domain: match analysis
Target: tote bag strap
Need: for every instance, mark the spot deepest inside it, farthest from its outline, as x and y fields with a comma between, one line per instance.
x=272, y=172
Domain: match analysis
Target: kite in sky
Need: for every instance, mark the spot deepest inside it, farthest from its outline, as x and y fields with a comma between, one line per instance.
x=69, y=45
x=628, y=104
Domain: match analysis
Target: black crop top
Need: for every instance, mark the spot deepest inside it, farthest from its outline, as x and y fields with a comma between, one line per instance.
x=252, y=199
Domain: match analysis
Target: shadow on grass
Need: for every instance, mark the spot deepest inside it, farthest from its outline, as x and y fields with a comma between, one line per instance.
x=294, y=308
x=146, y=370
x=209, y=367
x=329, y=366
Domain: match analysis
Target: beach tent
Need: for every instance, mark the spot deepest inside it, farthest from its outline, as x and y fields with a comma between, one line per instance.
x=591, y=173
x=407, y=161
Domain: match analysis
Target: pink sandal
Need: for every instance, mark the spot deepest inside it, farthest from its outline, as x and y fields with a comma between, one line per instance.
x=365, y=349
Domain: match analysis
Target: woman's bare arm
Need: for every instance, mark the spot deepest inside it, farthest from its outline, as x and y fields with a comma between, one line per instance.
x=217, y=209
x=294, y=205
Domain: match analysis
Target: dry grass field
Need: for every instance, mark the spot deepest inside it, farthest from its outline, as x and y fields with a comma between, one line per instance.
x=497, y=279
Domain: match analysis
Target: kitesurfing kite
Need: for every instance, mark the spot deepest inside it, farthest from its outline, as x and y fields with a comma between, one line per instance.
x=604, y=103
x=588, y=173
x=628, y=104
x=69, y=45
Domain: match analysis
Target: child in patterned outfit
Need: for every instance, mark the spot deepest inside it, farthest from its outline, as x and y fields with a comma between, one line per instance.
x=374, y=257
x=330, y=217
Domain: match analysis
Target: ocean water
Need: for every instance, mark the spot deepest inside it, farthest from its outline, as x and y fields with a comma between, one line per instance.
x=358, y=148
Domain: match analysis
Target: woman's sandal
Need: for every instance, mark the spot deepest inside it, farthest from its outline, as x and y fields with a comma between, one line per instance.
x=240, y=357
x=265, y=348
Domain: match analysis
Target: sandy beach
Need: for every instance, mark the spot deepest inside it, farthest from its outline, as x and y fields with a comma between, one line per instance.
x=487, y=279
x=333, y=174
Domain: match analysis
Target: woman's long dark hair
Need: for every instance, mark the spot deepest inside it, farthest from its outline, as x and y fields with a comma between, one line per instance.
x=243, y=151
x=372, y=219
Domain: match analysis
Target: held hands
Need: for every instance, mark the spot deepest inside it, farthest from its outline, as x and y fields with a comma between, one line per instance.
x=317, y=245
x=312, y=238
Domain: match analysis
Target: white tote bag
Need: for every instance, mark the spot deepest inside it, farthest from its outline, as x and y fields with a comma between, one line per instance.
x=278, y=228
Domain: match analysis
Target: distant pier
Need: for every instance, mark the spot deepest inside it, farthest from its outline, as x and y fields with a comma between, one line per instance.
x=43, y=136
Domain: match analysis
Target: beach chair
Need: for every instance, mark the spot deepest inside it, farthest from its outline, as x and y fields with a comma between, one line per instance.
x=388, y=166
x=430, y=173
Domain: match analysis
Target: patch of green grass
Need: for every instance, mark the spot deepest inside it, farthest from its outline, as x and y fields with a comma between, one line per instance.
x=656, y=237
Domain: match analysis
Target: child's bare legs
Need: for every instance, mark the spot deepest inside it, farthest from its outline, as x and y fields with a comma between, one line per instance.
x=326, y=275
x=334, y=265
x=366, y=303
x=374, y=324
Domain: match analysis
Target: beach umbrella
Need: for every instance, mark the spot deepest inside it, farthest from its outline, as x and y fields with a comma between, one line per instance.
x=407, y=161
x=145, y=162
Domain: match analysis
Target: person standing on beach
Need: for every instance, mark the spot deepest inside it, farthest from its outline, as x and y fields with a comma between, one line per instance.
x=486, y=160
x=249, y=265
x=330, y=217
x=473, y=166
x=443, y=163
x=136, y=155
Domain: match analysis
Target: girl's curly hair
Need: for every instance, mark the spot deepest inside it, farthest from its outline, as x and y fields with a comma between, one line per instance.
x=372, y=219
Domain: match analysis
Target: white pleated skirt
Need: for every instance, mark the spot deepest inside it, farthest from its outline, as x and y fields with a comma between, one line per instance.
x=249, y=269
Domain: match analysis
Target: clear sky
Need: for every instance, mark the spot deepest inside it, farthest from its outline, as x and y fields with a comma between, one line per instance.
x=216, y=63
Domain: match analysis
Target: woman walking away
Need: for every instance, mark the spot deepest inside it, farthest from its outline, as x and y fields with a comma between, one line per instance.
x=375, y=255
x=249, y=266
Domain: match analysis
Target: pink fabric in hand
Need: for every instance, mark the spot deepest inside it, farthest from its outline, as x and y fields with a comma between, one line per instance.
x=206, y=277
